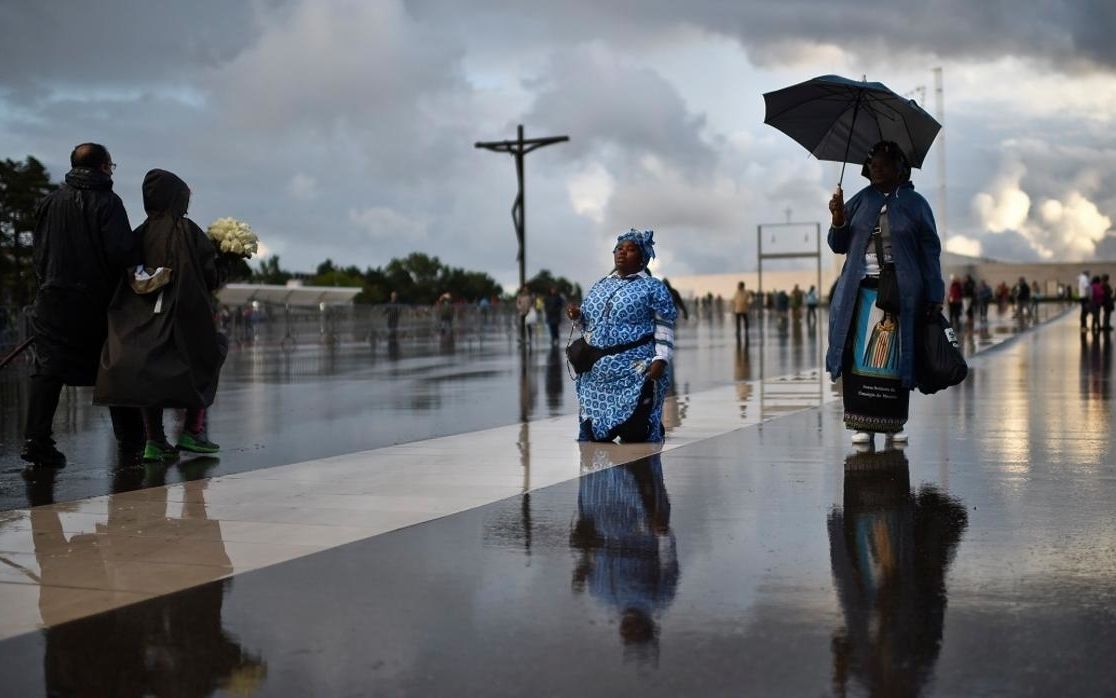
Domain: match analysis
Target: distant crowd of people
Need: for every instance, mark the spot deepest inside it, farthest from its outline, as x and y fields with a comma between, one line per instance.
x=968, y=300
x=1094, y=292
x=534, y=311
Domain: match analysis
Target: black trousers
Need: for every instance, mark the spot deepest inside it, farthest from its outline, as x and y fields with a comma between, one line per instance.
x=741, y=317
x=42, y=403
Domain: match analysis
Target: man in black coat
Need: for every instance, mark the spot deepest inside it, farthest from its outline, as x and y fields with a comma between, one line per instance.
x=82, y=245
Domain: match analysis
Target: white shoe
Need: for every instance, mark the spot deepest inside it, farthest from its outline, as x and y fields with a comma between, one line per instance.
x=899, y=437
x=862, y=437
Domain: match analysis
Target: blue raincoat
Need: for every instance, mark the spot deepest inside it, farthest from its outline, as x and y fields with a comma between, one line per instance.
x=916, y=249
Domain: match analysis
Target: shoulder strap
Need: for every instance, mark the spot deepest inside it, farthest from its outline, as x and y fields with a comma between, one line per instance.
x=621, y=348
x=885, y=234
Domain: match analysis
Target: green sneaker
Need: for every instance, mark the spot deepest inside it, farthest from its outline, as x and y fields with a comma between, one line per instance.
x=159, y=452
x=196, y=443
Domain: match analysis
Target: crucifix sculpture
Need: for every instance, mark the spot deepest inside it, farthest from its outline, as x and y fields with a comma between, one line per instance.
x=519, y=148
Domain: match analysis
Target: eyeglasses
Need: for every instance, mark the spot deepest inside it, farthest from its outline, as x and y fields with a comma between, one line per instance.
x=112, y=167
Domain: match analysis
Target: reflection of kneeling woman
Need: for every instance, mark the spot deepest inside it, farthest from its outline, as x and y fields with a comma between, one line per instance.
x=628, y=559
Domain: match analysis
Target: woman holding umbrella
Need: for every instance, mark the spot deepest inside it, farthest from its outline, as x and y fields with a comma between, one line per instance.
x=886, y=223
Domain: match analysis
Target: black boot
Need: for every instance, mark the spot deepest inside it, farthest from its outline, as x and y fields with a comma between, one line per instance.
x=41, y=453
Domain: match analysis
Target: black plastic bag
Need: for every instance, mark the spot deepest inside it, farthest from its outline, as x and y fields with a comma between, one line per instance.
x=939, y=363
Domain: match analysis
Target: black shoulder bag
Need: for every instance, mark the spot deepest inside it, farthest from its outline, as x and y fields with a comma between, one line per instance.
x=583, y=355
x=887, y=294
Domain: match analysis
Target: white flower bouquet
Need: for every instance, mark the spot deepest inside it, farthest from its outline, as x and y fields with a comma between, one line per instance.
x=233, y=237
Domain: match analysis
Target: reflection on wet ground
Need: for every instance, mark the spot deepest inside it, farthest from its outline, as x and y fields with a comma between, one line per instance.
x=278, y=407
x=178, y=648
x=771, y=560
x=890, y=549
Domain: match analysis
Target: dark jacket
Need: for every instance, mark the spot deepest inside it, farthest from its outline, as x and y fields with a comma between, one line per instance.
x=82, y=242
x=917, y=252
x=169, y=358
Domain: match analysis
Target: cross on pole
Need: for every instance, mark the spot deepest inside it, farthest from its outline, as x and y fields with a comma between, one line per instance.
x=520, y=147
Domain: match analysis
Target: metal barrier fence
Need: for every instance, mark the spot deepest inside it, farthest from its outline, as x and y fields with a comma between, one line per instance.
x=288, y=326
x=274, y=324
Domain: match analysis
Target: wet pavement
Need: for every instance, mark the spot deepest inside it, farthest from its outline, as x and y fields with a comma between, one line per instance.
x=771, y=558
x=276, y=407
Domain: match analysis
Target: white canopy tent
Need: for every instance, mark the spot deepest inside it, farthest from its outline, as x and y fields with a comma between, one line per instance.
x=294, y=296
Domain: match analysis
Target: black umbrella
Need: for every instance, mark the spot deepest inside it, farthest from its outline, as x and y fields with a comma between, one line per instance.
x=838, y=119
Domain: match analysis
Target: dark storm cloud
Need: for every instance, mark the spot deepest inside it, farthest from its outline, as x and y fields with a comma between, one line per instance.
x=632, y=107
x=120, y=42
x=1065, y=33
x=1072, y=34
x=345, y=128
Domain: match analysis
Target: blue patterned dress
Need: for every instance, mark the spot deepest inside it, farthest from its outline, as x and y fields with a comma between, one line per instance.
x=618, y=310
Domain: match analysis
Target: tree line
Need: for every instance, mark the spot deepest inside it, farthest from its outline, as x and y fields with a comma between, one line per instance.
x=22, y=186
x=417, y=278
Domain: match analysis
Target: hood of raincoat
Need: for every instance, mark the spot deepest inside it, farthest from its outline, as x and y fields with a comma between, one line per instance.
x=165, y=192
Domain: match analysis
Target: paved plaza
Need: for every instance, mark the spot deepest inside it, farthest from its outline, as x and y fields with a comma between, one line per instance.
x=425, y=524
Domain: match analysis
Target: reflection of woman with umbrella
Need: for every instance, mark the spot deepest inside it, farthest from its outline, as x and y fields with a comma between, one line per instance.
x=889, y=550
x=885, y=224
x=628, y=557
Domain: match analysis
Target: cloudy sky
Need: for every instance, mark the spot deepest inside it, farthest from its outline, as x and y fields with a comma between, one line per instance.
x=345, y=129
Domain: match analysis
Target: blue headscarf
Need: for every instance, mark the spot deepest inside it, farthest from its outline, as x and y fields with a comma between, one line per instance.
x=643, y=238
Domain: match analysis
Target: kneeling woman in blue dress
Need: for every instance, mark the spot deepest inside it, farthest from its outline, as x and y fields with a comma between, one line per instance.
x=630, y=316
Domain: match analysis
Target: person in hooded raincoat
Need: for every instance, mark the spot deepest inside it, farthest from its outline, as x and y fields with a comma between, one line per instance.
x=82, y=243
x=871, y=350
x=163, y=348
x=631, y=315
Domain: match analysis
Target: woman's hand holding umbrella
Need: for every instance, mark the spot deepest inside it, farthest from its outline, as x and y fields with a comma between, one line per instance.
x=837, y=208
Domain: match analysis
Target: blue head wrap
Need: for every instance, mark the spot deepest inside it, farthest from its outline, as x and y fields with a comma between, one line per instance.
x=643, y=238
